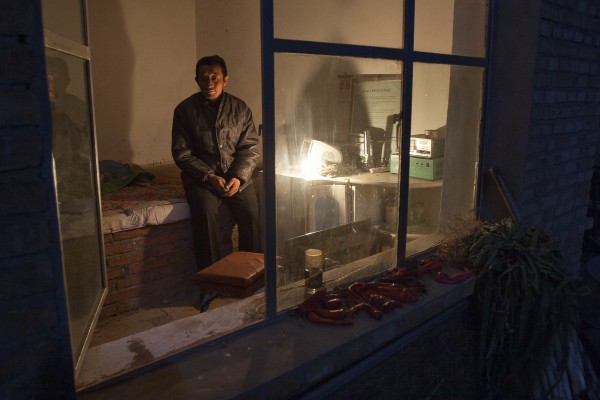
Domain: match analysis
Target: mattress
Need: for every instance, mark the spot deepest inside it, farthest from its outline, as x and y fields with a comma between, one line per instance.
x=134, y=206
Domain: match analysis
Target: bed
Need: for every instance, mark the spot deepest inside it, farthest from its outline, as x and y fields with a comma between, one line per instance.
x=161, y=201
x=147, y=242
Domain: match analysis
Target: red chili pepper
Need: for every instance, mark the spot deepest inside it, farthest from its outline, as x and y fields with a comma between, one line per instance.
x=459, y=277
x=396, y=274
x=379, y=285
x=314, y=317
x=403, y=295
x=428, y=265
x=332, y=304
x=350, y=301
x=338, y=314
x=355, y=292
x=390, y=305
x=370, y=286
x=374, y=298
x=312, y=303
x=343, y=293
x=372, y=311
x=358, y=287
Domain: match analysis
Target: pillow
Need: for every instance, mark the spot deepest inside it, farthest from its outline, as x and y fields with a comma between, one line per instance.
x=240, y=270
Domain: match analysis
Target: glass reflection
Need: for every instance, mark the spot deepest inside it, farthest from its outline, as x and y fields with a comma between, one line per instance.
x=451, y=26
x=65, y=17
x=336, y=127
x=72, y=151
x=443, y=151
x=362, y=22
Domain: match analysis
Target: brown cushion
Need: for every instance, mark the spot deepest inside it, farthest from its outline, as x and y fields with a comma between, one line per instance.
x=239, y=269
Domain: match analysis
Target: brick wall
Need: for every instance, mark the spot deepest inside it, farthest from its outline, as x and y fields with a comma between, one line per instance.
x=565, y=122
x=34, y=336
x=149, y=267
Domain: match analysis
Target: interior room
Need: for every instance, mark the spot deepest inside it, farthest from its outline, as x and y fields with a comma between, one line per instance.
x=344, y=113
x=143, y=61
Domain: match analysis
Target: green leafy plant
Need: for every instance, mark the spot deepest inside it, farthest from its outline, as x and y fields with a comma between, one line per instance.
x=527, y=306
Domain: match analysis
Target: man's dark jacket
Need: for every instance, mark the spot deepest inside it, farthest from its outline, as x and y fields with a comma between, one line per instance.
x=223, y=142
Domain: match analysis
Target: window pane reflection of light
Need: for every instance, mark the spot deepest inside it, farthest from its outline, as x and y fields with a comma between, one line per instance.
x=326, y=198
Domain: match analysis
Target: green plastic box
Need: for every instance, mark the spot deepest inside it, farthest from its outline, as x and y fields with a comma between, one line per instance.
x=394, y=163
x=426, y=168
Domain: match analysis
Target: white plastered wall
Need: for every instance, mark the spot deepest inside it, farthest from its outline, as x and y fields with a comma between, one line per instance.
x=231, y=29
x=143, y=56
x=144, y=52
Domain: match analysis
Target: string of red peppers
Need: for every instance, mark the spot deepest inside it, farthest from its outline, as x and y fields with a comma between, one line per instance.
x=402, y=285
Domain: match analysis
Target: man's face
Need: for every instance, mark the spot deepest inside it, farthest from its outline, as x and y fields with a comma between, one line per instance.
x=56, y=86
x=211, y=81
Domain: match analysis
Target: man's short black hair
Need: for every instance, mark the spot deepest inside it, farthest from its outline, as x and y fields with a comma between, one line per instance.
x=210, y=61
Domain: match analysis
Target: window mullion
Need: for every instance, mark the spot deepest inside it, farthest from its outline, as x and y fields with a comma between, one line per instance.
x=409, y=25
x=269, y=204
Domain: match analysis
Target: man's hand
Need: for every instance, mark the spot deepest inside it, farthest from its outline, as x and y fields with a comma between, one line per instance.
x=232, y=187
x=223, y=187
x=217, y=182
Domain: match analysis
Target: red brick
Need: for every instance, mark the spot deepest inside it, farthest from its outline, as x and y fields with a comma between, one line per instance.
x=130, y=234
x=127, y=281
x=112, y=273
x=161, y=250
x=121, y=247
x=168, y=237
x=124, y=259
x=146, y=276
x=110, y=285
x=121, y=295
x=147, y=264
x=108, y=311
x=182, y=229
x=165, y=263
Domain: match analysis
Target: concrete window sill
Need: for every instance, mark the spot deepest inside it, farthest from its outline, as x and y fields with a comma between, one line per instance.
x=273, y=360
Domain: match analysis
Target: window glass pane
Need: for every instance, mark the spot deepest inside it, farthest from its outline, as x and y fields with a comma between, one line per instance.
x=443, y=151
x=64, y=17
x=451, y=26
x=73, y=152
x=362, y=22
x=337, y=114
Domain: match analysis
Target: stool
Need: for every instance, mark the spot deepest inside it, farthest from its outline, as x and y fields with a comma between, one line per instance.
x=239, y=274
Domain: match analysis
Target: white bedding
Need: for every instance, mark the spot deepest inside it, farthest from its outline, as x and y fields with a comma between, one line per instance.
x=150, y=213
x=134, y=206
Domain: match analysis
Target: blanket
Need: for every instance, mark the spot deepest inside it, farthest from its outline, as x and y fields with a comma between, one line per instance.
x=115, y=175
